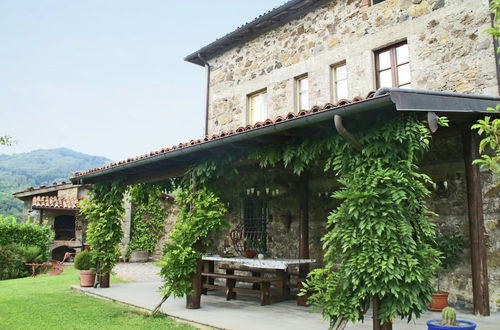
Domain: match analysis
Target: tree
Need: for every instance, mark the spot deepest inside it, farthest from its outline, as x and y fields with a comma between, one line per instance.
x=6, y=140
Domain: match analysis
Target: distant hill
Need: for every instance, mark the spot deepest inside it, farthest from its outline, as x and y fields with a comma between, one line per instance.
x=37, y=168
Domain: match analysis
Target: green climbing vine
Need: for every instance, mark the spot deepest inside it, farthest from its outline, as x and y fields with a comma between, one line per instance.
x=200, y=215
x=104, y=211
x=148, y=218
x=379, y=242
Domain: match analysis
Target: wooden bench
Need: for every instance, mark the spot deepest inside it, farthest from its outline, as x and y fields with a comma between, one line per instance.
x=231, y=289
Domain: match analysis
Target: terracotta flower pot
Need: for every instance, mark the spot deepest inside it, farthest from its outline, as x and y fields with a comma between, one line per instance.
x=87, y=278
x=439, y=301
x=249, y=253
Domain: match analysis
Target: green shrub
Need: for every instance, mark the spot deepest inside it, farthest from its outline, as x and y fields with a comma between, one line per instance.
x=26, y=233
x=30, y=253
x=11, y=263
x=83, y=261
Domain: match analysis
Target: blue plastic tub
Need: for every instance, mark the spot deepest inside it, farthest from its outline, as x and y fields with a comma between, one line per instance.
x=431, y=326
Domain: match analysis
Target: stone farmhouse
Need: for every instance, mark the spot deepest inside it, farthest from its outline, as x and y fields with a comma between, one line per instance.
x=58, y=205
x=314, y=65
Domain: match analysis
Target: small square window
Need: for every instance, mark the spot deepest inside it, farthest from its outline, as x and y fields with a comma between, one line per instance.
x=393, y=66
x=302, y=94
x=339, y=82
x=257, y=107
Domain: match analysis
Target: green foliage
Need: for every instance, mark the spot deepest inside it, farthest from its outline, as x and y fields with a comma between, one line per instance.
x=489, y=128
x=200, y=215
x=83, y=261
x=451, y=248
x=27, y=233
x=449, y=316
x=104, y=212
x=11, y=263
x=148, y=220
x=36, y=168
x=379, y=244
x=30, y=254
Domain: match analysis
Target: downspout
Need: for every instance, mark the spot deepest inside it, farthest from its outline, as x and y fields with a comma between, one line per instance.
x=207, y=100
x=345, y=133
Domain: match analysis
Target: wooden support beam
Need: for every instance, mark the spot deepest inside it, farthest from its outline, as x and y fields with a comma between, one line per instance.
x=193, y=301
x=476, y=225
x=303, y=196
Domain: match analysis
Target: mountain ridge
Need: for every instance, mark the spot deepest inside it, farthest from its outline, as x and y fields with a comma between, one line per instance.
x=36, y=168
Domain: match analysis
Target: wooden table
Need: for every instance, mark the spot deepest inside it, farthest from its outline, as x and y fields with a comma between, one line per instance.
x=279, y=265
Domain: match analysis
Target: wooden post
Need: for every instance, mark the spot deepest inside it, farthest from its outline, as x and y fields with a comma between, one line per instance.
x=303, y=196
x=476, y=225
x=193, y=301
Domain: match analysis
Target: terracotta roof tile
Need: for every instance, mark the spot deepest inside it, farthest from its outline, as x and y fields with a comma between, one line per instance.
x=268, y=121
x=54, y=202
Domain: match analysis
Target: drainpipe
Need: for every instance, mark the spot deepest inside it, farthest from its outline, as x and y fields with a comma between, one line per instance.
x=207, y=100
x=345, y=133
x=495, y=46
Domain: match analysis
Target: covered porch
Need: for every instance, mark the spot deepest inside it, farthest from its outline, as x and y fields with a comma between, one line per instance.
x=462, y=110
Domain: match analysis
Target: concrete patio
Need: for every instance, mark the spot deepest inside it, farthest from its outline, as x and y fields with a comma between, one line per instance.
x=245, y=312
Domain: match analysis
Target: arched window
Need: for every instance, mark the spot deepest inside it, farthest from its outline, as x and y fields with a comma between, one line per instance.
x=64, y=227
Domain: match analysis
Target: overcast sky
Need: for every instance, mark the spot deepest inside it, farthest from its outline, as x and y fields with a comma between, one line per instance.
x=107, y=77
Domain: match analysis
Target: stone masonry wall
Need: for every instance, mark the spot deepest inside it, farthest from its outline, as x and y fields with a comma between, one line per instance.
x=444, y=162
x=448, y=51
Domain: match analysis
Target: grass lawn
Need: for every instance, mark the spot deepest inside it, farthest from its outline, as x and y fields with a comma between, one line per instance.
x=48, y=302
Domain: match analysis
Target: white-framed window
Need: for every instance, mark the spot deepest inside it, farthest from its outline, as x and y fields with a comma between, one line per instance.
x=257, y=106
x=392, y=65
x=302, y=92
x=339, y=82
x=374, y=2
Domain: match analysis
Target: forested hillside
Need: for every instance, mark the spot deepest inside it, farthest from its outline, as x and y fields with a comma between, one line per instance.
x=36, y=168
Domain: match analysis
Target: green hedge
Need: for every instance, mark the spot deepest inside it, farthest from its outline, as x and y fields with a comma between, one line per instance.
x=26, y=233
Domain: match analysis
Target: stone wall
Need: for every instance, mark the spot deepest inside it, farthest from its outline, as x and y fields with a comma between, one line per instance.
x=170, y=219
x=448, y=51
x=445, y=162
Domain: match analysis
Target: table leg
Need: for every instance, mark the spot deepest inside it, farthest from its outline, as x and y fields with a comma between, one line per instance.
x=283, y=284
x=256, y=286
x=208, y=267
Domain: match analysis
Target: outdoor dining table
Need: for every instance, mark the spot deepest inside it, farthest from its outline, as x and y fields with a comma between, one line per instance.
x=279, y=265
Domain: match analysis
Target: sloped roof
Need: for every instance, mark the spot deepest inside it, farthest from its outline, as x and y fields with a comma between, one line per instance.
x=272, y=18
x=223, y=134
x=173, y=161
x=55, y=203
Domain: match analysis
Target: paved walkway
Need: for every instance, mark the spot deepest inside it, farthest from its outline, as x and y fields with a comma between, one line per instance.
x=245, y=313
x=137, y=272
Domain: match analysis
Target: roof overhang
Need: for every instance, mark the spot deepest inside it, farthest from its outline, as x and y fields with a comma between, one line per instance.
x=265, y=22
x=44, y=189
x=174, y=163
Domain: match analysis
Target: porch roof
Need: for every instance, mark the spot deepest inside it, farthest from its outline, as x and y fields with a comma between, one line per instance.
x=173, y=162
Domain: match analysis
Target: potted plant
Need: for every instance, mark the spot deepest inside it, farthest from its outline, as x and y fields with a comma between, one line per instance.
x=449, y=321
x=249, y=250
x=83, y=262
x=451, y=248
